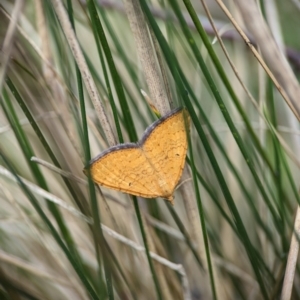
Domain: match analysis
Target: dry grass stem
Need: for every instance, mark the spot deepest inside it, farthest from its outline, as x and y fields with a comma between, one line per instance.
x=253, y=101
x=45, y=244
x=8, y=41
x=85, y=72
x=50, y=197
x=58, y=95
x=162, y=69
x=234, y=270
x=291, y=265
x=292, y=87
x=48, y=246
x=176, y=267
x=58, y=170
x=39, y=52
x=147, y=56
x=22, y=264
x=154, y=222
x=150, y=65
x=43, y=116
x=275, y=132
x=297, y=3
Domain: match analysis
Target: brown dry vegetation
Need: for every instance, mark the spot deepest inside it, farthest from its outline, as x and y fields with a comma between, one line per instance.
x=67, y=95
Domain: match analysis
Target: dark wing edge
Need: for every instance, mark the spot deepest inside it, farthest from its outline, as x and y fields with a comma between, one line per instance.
x=151, y=127
x=146, y=134
x=108, y=151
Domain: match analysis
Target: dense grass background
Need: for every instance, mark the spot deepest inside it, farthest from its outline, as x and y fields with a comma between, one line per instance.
x=230, y=231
